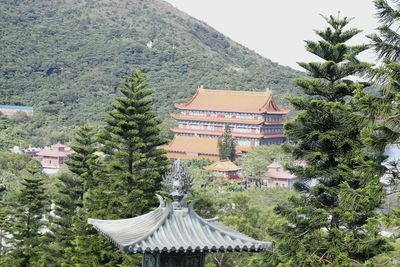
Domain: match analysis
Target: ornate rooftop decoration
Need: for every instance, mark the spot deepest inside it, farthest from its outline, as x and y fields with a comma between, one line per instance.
x=178, y=182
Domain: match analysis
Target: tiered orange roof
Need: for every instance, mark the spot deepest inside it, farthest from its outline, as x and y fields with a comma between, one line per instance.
x=191, y=147
x=232, y=101
x=223, y=166
x=193, y=144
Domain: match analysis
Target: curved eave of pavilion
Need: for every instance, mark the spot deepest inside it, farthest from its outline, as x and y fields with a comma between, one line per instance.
x=179, y=230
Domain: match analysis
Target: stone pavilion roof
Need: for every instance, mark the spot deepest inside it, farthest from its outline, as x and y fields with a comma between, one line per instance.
x=175, y=230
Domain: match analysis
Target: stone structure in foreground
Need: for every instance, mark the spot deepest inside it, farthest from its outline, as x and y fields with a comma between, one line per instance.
x=174, y=235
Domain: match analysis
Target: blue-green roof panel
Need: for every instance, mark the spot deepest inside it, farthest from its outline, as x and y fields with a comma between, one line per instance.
x=175, y=230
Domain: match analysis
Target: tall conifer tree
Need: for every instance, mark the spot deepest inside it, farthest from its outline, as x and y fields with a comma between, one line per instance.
x=69, y=223
x=130, y=173
x=226, y=145
x=28, y=231
x=331, y=222
x=5, y=226
x=134, y=160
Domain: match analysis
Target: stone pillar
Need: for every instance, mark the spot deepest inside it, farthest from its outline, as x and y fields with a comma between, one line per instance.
x=174, y=260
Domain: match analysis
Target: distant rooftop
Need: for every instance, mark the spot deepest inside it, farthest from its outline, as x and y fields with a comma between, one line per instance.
x=232, y=101
x=194, y=145
x=223, y=166
x=276, y=170
x=16, y=107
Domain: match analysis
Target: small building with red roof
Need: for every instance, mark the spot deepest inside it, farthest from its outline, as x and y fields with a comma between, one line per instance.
x=277, y=176
x=225, y=168
x=53, y=157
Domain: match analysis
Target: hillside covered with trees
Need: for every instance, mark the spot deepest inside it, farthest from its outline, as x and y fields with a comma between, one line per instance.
x=66, y=57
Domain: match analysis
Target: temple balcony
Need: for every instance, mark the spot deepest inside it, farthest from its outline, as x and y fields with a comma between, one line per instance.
x=219, y=133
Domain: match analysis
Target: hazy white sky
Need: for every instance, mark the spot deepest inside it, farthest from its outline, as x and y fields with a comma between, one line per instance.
x=277, y=29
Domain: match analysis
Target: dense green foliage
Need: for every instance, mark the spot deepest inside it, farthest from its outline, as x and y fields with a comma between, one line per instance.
x=119, y=183
x=385, y=107
x=66, y=57
x=386, y=111
x=134, y=160
x=70, y=233
x=332, y=222
x=12, y=168
x=254, y=163
x=250, y=212
x=26, y=216
x=227, y=145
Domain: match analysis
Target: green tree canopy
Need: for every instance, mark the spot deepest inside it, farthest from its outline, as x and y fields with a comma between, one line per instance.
x=385, y=108
x=134, y=162
x=71, y=235
x=332, y=221
x=27, y=218
x=226, y=145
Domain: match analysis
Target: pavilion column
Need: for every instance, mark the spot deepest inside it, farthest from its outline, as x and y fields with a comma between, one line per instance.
x=173, y=260
x=151, y=260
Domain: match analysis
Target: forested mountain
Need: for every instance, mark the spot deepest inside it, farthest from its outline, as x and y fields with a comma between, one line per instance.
x=66, y=58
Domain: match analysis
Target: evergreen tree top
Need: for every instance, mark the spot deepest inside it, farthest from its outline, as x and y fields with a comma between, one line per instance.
x=330, y=222
x=336, y=34
x=387, y=42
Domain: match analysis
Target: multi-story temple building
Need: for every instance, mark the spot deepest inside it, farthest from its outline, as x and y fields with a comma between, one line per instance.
x=254, y=119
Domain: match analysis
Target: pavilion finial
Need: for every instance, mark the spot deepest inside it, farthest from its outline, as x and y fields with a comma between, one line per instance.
x=178, y=182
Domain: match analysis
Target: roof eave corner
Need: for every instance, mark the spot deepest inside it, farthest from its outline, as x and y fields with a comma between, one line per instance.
x=264, y=108
x=184, y=105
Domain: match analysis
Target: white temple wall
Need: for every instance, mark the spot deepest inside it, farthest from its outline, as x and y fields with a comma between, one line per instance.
x=241, y=142
x=219, y=114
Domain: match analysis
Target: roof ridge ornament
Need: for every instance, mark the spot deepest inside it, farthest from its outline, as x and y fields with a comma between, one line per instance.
x=178, y=183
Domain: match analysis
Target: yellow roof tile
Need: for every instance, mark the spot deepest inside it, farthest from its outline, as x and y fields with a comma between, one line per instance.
x=223, y=166
x=232, y=101
x=172, y=155
x=191, y=144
